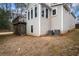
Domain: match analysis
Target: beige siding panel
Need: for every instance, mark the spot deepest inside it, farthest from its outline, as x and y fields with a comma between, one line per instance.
x=45, y=22
x=56, y=19
x=68, y=21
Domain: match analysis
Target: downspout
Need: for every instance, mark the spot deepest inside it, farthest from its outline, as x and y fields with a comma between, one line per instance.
x=39, y=19
x=61, y=18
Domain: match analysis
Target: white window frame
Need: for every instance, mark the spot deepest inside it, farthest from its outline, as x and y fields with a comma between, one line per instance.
x=47, y=14
x=32, y=13
x=56, y=11
x=28, y=15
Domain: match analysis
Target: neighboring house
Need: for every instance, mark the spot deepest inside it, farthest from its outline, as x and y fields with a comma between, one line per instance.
x=77, y=22
x=42, y=18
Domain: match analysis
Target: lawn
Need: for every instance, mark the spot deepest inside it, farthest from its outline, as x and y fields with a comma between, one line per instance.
x=67, y=44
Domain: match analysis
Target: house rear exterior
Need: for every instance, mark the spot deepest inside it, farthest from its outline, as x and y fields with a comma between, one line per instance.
x=42, y=17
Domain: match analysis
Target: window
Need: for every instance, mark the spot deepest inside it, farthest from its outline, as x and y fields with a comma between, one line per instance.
x=31, y=28
x=54, y=12
x=46, y=13
x=35, y=11
x=42, y=13
x=28, y=15
x=31, y=13
x=25, y=12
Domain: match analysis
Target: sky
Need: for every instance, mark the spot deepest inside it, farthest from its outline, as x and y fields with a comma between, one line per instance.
x=13, y=6
x=75, y=9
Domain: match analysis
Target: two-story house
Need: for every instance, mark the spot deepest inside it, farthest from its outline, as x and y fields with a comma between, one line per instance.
x=42, y=18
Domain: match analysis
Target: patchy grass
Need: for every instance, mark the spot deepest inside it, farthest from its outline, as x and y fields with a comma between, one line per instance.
x=75, y=36
x=3, y=38
x=45, y=45
x=70, y=47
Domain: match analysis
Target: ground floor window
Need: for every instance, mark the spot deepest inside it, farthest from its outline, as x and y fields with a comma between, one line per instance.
x=31, y=28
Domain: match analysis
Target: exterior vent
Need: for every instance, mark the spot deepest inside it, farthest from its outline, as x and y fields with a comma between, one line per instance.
x=50, y=32
x=56, y=32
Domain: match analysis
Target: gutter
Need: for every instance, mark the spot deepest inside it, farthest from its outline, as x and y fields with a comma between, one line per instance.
x=46, y=5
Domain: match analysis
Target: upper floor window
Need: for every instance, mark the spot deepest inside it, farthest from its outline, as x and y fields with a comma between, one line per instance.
x=28, y=15
x=31, y=13
x=54, y=12
x=46, y=13
x=42, y=13
x=35, y=11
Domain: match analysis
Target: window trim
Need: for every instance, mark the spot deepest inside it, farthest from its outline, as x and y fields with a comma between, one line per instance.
x=42, y=13
x=31, y=13
x=55, y=12
x=47, y=13
x=35, y=11
x=28, y=15
x=31, y=28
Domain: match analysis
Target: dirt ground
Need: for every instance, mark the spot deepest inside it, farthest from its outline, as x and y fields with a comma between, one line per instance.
x=12, y=45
